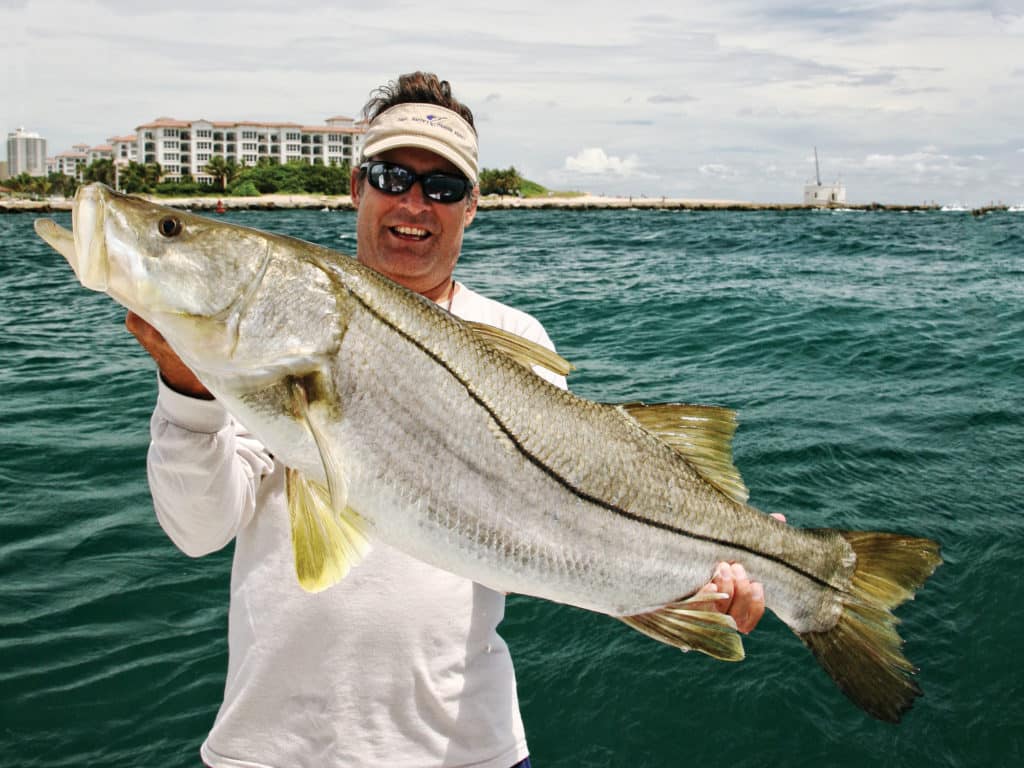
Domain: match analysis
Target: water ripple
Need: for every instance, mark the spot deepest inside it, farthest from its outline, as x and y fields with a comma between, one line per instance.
x=875, y=362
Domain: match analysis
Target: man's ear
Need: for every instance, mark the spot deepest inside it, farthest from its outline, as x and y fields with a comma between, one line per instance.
x=353, y=187
x=471, y=207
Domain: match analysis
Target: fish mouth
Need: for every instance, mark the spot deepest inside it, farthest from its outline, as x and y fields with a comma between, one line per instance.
x=81, y=245
x=60, y=239
x=87, y=222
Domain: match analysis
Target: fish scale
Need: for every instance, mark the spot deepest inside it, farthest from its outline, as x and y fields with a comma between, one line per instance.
x=452, y=366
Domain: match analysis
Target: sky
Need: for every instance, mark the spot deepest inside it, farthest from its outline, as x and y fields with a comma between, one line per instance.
x=908, y=101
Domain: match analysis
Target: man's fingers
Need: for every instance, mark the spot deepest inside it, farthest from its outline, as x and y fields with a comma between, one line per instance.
x=748, y=601
x=710, y=605
x=175, y=373
x=724, y=583
x=745, y=601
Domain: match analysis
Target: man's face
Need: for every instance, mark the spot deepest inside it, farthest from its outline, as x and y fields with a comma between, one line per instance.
x=408, y=237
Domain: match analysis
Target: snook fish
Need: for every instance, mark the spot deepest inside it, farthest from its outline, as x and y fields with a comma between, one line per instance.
x=401, y=423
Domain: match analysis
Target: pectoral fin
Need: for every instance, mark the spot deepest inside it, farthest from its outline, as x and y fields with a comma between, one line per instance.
x=336, y=483
x=522, y=350
x=702, y=434
x=675, y=624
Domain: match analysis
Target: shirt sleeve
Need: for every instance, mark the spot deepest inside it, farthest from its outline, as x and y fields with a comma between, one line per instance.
x=204, y=472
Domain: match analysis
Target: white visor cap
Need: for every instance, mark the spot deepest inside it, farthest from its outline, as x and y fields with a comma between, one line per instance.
x=426, y=126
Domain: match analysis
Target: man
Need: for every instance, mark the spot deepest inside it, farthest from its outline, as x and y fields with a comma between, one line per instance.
x=400, y=664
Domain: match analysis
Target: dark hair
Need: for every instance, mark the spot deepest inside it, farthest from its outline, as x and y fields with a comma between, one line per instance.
x=416, y=88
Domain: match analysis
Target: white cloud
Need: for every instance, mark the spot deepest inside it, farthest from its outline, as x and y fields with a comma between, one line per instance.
x=717, y=171
x=704, y=95
x=594, y=160
x=921, y=162
x=665, y=98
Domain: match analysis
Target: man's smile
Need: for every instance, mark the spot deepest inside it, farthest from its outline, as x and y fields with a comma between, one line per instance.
x=409, y=233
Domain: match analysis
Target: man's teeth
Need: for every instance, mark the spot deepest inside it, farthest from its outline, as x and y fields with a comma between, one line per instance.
x=411, y=231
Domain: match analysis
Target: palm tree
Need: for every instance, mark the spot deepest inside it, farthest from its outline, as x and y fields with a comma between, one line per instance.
x=102, y=171
x=152, y=173
x=225, y=171
x=62, y=185
x=133, y=178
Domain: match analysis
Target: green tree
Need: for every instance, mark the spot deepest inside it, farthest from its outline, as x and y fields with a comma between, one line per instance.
x=20, y=183
x=62, y=185
x=152, y=173
x=245, y=189
x=495, y=181
x=132, y=178
x=101, y=170
x=225, y=171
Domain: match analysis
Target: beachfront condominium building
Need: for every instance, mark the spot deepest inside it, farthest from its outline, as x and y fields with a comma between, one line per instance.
x=124, y=149
x=184, y=147
x=74, y=161
x=26, y=153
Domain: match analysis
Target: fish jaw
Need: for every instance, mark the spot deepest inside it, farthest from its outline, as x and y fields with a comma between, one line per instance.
x=111, y=257
x=87, y=222
x=187, y=276
x=203, y=284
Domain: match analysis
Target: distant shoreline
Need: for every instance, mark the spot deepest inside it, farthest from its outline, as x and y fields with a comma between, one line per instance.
x=490, y=202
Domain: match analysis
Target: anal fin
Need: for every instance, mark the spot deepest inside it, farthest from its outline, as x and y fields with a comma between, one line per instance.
x=328, y=536
x=686, y=628
x=326, y=544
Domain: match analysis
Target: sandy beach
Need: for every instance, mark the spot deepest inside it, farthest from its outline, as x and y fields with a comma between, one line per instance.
x=490, y=202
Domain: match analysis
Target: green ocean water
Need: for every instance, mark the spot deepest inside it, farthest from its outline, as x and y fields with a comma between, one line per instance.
x=876, y=361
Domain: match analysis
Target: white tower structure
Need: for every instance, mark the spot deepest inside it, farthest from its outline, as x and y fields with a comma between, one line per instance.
x=823, y=194
x=26, y=153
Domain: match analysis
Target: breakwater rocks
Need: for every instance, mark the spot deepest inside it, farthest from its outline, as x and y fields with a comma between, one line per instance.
x=490, y=202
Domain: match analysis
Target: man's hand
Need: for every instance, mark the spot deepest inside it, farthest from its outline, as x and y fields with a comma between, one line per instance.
x=745, y=601
x=175, y=373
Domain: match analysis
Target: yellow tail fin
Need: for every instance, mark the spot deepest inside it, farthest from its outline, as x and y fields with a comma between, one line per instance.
x=862, y=652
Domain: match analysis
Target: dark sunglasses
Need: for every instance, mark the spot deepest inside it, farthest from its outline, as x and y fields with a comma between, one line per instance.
x=394, y=179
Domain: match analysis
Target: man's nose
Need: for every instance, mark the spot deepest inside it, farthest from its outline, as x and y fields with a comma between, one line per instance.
x=415, y=198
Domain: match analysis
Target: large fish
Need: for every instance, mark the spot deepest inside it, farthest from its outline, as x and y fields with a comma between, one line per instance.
x=401, y=423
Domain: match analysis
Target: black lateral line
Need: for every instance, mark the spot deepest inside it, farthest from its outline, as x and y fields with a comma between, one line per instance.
x=595, y=500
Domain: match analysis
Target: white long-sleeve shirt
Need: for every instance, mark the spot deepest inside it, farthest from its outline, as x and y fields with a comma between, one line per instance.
x=398, y=665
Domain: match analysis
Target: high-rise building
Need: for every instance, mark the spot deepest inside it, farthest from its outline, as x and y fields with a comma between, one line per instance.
x=26, y=153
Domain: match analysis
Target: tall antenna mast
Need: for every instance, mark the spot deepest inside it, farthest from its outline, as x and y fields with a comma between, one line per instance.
x=817, y=171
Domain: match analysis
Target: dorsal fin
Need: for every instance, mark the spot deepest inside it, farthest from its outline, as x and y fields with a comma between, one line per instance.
x=702, y=434
x=521, y=350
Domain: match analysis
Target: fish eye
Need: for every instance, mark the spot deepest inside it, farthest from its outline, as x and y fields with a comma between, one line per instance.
x=170, y=226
